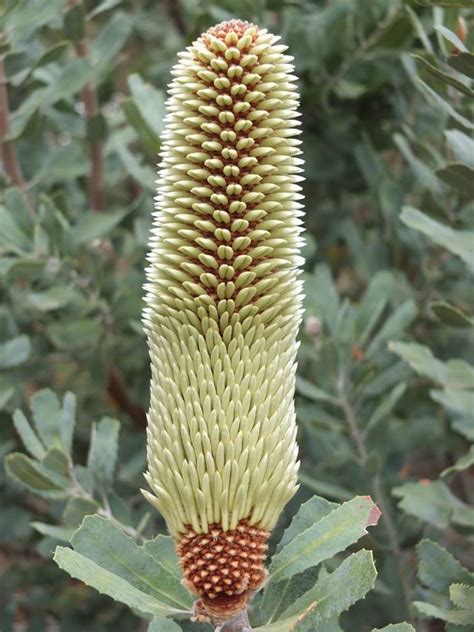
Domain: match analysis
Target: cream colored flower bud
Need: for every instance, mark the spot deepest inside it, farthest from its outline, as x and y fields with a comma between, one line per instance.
x=224, y=304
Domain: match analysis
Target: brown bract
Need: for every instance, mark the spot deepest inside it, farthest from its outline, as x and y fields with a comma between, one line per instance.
x=223, y=568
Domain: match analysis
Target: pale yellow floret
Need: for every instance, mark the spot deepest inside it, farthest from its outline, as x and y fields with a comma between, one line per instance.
x=224, y=298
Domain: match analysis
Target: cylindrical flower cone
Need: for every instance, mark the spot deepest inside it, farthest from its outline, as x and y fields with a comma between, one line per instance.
x=224, y=304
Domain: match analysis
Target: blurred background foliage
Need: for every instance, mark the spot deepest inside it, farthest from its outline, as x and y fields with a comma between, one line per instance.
x=385, y=391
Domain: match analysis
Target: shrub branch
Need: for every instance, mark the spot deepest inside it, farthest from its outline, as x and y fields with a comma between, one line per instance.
x=8, y=151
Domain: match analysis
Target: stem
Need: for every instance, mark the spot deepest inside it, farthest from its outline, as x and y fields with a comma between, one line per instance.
x=91, y=109
x=389, y=526
x=8, y=151
x=240, y=623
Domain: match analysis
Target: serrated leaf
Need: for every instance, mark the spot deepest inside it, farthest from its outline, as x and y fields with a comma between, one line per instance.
x=288, y=625
x=99, y=540
x=460, y=617
x=336, y=592
x=14, y=352
x=28, y=436
x=458, y=242
x=103, y=451
x=108, y=583
x=438, y=569
x=462, y=596
x=330, y=535
x=433, y=502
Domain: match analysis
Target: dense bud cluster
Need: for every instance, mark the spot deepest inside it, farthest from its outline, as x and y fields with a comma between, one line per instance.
x=224, y=301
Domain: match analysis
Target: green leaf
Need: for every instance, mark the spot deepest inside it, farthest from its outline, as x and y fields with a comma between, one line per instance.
x=150, y=103
x=394, y=326
x=464, y=63
x=76, y=510
x=103, y=451
x=455, y=400
x=58, y=533
x=32, y=475
x=459, y=242
x=454, y=373
x=451, y=315
x=106, y=545
x=443, y=105
x=460, y=177
x=111, y=39
x=288, y=625
x=462, y=464
x=462, y=146
x=47, y=417
x=336, y=592
x=423, y=173
x=330, y=535
x=108, y=583
x=14, y=352
x=163, y=550
x=28, y=436
x=105, y=5
x=51, y=299
x=450, y=36
x=12, y=236
x=310, y=391
x=395, y=627
x=74, y=23
x=444, y=76
x=386, y=406
x=143, y=174
x=93, y=225
x=77, y=334
x=160, y=624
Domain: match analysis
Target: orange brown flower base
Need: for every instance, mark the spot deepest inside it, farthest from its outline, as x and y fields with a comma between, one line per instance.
x=223, y=568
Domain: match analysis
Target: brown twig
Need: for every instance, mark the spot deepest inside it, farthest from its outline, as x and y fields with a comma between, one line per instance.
x=91, y=109
x=8, y=151
x=117, y=389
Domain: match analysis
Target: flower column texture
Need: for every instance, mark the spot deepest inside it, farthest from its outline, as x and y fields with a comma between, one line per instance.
x=224, y=304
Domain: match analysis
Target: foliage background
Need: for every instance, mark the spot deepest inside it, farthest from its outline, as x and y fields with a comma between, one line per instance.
x=85, y=86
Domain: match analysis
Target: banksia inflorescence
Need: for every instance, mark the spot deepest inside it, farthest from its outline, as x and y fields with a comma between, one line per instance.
x=224, y=304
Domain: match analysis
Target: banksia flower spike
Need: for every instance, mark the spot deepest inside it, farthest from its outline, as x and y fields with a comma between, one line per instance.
x=224, y=304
